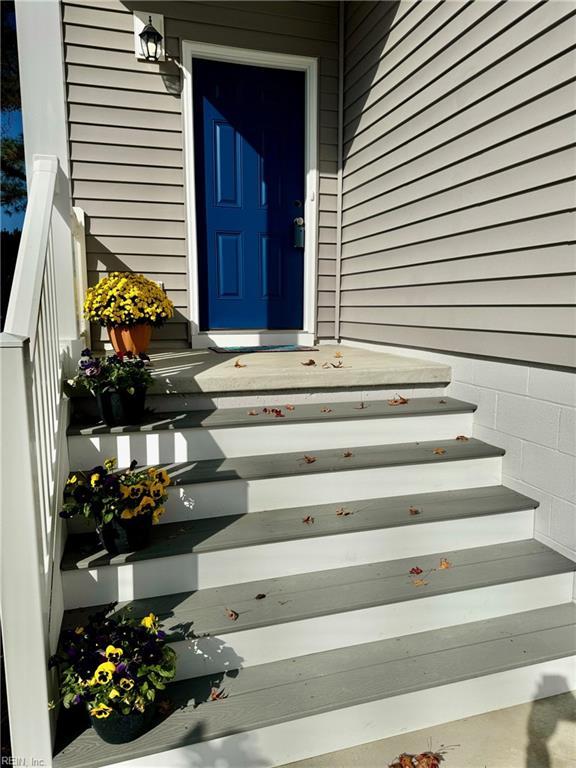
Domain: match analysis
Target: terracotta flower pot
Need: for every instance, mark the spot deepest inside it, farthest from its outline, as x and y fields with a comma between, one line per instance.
x=130, y=338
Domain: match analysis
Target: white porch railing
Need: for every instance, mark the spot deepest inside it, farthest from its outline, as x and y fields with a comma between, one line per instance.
x=34, y=465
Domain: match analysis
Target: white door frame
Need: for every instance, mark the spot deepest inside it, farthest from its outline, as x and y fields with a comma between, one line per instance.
x=190, y=51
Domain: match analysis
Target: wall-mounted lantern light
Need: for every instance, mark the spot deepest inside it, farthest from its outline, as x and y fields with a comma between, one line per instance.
x=148, y=36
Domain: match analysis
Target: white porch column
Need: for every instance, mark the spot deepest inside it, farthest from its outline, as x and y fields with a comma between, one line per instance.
x=44, y=117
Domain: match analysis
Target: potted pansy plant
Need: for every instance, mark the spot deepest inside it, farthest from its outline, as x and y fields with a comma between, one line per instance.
x=115, y=666
x=118, y=382
x=123, y=504
x=129, y=305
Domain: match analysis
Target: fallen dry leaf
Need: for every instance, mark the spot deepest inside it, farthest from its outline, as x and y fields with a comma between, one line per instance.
x=339, y=364
x=347, y=454
x=398, y=400
x=416, y=571
x=238, y=364
x=232, y=615
x=325, y=410
x=325, y=365
x=414, y=511
x=338, y=354
x=309, y=520
x=260, y=596
x=342, y=512
x=445, y=564
x=463, y=438
x=309, y=362
x=309, y=459
x=290, y=407
x=442, y=402
x=439, y=451
x=217, y=695
x=419, y=582
x=252, y=413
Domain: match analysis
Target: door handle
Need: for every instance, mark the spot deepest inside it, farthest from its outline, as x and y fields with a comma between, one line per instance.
x=299, y=232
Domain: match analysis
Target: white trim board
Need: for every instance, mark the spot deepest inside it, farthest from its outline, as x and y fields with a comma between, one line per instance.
x=308, y=65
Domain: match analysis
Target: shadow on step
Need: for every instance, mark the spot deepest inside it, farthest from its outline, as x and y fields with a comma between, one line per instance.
x=548, y=711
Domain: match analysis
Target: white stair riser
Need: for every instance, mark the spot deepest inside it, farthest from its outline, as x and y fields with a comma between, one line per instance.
x=181, y=573
x=199, y=402
x=167, y=446
x=324, y=633
x=235, y=497
x=276, y=745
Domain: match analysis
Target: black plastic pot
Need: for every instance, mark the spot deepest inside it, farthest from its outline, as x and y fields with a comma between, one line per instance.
x=120, y=729
x=122, y=536
x=121, y=408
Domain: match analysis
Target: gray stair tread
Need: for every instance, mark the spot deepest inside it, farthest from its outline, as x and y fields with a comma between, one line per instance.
x=241, y=417
x=257, y=528
x=328, y=460
x=304, y=596
x=296, y=688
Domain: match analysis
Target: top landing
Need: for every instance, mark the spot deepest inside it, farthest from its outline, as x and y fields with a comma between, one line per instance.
x=332, y=367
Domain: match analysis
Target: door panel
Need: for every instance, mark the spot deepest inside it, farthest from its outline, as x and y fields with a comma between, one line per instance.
x=249, y=161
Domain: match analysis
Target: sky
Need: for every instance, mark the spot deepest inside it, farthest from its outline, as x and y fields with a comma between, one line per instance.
x=11, y=127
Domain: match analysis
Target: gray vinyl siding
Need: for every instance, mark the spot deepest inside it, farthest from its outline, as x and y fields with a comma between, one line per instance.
x=458, y=201
x=126, y=132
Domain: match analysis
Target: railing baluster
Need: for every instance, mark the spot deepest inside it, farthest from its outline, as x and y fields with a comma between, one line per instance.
x=31, y=430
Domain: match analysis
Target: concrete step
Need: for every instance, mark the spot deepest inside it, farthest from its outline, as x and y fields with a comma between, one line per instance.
x=288, y=710
x=271, y=544
x=307, y=613
x=230, y=432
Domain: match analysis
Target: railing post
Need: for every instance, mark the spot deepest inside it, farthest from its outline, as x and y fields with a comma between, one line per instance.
x=81, y=270
x=24, y=610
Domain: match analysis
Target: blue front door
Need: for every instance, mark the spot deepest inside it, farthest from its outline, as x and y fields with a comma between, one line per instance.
x=249, y=161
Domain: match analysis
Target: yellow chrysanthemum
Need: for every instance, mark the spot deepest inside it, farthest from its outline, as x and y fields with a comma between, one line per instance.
x=123, y=298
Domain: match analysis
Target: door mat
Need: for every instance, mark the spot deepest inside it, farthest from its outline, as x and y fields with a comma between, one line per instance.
x=265, y=348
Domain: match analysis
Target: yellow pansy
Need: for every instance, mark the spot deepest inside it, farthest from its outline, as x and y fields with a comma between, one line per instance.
x=110, y=463
x=150, y=621
x=125, y=491
x=72, y=480
x=113, y=694
x=94, y=479
x=100, y=711
x=136, y=491
x=146, y=505
x=157, y=514
x=113, y=654
x=104, y=673
x=164, y=477
x=128, y=513
x=79, y=630
x=156, y=490
x=126, y=684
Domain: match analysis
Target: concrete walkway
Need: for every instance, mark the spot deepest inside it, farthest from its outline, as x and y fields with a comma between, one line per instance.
x=537, y=735
x=335, y=366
